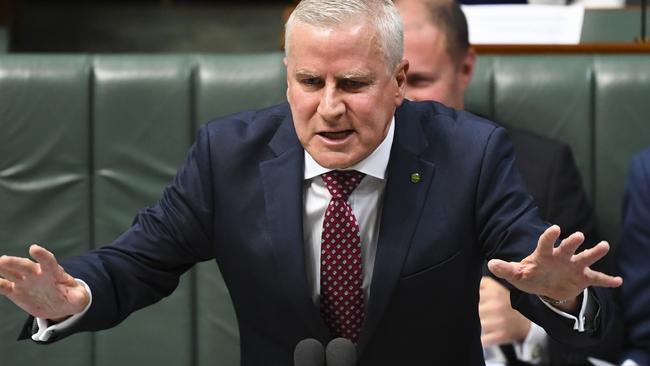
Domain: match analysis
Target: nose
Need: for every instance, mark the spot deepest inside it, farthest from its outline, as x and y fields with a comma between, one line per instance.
x=330, y=107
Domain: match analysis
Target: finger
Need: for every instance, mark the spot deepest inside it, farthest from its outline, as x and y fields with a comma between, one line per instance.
x=489, y=324
x=546, y=242
x=18, y=265
x=489, y=317
x=484, y=297
x=11, y=275
x=45, y=258
x=484, y=282
x=489, y=282
x=596, y=278
x=489, y=294
x=590, y=256
x=481, y=299
x=502, y=269
x=6, y=287
x=491, y=339
x=570, y=244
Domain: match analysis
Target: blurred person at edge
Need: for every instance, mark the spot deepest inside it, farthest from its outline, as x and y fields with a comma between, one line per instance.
x=633, y=259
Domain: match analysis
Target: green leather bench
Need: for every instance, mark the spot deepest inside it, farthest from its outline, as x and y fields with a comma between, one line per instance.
x=86, y=141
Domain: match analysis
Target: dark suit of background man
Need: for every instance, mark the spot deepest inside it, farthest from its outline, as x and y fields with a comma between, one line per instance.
x=440, y=195
x=634, y=260
x=441, y=65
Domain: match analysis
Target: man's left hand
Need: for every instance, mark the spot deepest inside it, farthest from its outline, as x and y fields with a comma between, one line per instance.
x=557, y=272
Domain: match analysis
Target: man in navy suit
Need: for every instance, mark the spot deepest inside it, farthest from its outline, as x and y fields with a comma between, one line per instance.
x=634, y=259
x=436, y=194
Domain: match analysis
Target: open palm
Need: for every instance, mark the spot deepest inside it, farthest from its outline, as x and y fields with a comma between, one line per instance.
x=41, y=288
x=556, y=272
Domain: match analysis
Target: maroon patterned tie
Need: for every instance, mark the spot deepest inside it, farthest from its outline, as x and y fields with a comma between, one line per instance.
x=340, y=265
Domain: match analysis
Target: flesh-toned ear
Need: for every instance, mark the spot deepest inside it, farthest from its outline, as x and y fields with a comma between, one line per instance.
x=400, y=77
x=466, y=70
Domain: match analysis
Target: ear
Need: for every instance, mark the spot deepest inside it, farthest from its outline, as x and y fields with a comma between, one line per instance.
x=466, y=70
x=400, y=77
x=286, y=66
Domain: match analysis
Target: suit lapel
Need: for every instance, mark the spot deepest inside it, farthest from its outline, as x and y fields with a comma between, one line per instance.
x=403, y=202
x=282, y=179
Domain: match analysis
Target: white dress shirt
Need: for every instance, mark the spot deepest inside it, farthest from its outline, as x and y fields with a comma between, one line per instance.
x=365, y=202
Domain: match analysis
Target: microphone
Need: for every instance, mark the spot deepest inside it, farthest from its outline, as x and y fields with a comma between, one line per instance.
x=309, y=352
x=341, y=352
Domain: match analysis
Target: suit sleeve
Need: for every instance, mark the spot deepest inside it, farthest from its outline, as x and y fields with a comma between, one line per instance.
x=145, y=263
x=509, y=225
x=634, y=259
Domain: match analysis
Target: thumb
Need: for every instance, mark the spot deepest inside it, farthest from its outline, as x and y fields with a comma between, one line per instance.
x=502, y=269
x=44, y=257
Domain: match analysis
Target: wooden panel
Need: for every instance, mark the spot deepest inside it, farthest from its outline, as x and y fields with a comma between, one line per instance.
x=602, y=48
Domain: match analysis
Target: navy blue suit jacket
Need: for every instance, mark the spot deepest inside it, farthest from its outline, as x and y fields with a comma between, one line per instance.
x=634, y=260
x=238, y=200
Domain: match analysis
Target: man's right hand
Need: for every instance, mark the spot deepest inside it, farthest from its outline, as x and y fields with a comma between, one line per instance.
x=41, y=288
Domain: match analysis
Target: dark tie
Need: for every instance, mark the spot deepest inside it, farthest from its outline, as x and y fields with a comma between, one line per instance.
x=340, y=264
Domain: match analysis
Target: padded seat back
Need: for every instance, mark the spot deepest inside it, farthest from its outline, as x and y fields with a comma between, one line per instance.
x=595, y=103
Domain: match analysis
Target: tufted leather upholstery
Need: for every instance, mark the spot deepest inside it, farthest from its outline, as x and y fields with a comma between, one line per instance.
x=85, y=141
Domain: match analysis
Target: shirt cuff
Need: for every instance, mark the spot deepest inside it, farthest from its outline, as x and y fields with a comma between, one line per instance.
x=533, y=348
x=581, y=320
x=629, y=362
x=45, y=331
x=598, y=362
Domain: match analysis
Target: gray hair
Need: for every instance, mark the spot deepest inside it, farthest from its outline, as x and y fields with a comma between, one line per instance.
x=381, y=14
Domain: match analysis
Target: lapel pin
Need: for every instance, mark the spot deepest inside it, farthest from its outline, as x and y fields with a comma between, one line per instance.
x=415, y=178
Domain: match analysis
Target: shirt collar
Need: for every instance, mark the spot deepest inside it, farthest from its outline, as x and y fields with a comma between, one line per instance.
x=374, y=164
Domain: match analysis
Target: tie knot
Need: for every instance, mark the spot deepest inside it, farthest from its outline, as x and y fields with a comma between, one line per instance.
x=341, y=183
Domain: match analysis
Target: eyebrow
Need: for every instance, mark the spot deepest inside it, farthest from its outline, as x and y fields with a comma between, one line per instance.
x=348, y=75
x=356, y=75
x=305, y=73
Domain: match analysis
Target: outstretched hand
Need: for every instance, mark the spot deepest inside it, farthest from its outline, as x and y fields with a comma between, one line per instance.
x=557, y=272
x=42, y=288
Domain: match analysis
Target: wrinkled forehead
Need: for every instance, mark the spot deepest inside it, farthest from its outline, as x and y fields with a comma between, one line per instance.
x=299, y=27
x=360, y=36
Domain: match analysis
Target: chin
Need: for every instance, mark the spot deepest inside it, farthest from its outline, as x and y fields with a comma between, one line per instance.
x=334, y=161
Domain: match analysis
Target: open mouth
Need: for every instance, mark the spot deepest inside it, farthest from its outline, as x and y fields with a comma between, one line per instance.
x=338, y=135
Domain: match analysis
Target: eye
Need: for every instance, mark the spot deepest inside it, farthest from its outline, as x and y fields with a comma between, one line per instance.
x=311, y=82
x=352, y=85
x=419, y=81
